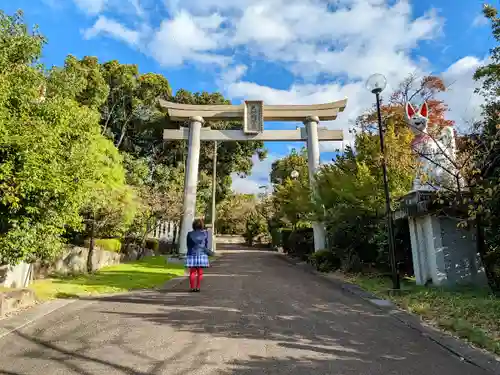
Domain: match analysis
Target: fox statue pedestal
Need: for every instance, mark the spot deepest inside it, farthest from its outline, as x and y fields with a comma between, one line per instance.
x=442, y=253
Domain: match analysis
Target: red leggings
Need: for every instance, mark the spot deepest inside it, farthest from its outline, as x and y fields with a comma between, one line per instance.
x=195, y=277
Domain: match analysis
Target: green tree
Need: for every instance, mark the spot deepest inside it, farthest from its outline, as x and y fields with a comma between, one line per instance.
x=350, y=194
x=485, y=207
x=53, y=157
x=80, y=80
x=293, y=203
x=255, y=225
x=291, y=196
x=130, y=115
x=131, y=118
x=233, y=213
x=19, y=48
x=281, y=169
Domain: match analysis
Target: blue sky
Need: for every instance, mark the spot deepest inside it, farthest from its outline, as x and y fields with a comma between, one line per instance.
x=280, y=51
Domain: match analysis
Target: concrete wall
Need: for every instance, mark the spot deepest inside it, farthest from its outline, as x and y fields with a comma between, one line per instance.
x=165, y=231
x=229, y=239
x=462, y=264
x=444, y=253
x=18, y=276
x=73, y=260
x=14, y=300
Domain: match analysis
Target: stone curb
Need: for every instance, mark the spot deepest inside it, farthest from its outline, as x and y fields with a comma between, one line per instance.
x=34, y=313
x=24, y=318
x=37, y=312
x=461, y=349
x=15, y=300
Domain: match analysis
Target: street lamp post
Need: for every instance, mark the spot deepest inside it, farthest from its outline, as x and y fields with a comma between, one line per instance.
x=376, y=83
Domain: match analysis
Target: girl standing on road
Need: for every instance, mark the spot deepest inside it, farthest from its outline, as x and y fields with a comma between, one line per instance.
x=197, y=254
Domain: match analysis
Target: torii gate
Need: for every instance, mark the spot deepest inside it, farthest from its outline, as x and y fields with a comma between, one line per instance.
x=253, y=113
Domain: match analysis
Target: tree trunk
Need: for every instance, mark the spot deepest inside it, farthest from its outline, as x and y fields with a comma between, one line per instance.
x=489, y=269
x=91, y=247
x=143, y=241
x=124, y=130
x=174, y=237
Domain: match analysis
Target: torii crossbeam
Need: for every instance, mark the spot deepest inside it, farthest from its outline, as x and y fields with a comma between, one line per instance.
x=253, y=113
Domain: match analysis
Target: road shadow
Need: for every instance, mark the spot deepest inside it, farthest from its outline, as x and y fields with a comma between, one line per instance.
x=242, y=247
x=250, y=304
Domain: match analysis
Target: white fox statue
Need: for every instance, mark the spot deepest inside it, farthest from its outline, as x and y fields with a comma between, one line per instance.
x=436, y=155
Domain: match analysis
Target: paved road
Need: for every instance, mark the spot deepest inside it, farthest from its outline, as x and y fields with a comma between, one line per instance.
x=256, y=315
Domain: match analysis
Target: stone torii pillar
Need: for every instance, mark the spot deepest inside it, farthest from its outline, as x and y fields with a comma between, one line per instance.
x=253, y=114
x=313, y=158
x=191, y=177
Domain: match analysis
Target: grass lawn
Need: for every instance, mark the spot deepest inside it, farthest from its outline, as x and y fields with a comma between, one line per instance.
x=146, y=273
x=471, y=314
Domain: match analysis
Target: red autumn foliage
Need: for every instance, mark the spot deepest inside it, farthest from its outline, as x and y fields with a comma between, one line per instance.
x=426, y=89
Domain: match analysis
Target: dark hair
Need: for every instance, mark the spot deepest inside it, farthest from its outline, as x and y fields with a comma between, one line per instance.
x=198, y=224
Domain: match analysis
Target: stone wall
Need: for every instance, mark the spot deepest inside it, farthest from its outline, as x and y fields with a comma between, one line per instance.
x=462, y=263
x=443, y=253
x=73, y=260
x=14, y=300
x=18, y=276
x=229, y=239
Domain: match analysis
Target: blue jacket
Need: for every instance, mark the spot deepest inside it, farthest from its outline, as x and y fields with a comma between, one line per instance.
x=197, y=242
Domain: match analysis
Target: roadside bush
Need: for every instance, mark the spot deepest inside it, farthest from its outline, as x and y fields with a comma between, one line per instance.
x=325, y=260
x=301, y=243
x=152, y=244
x=107, y=244
x=130, y=241
x=255, y=226
x=274, y=229
x=166, y=247
x=285, y=238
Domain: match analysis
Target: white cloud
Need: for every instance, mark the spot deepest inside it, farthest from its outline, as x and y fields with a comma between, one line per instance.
x=275, y=30
x=232, y=75
x=464, y=104
x=187, y=38
x=308, y=37
x=355, y=39
x=136, y=6
x=91, y=6
x=114, y=29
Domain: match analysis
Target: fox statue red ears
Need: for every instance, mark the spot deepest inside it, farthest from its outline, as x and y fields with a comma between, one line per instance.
x=410, y=111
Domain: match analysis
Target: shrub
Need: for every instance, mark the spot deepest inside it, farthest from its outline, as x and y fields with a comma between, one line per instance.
x=301, y=243
x=166, y=247
x=276, y=237
x=285, y=239
x=108, y=244
x=325, y=260
x=255, y=226
x=152, y=244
